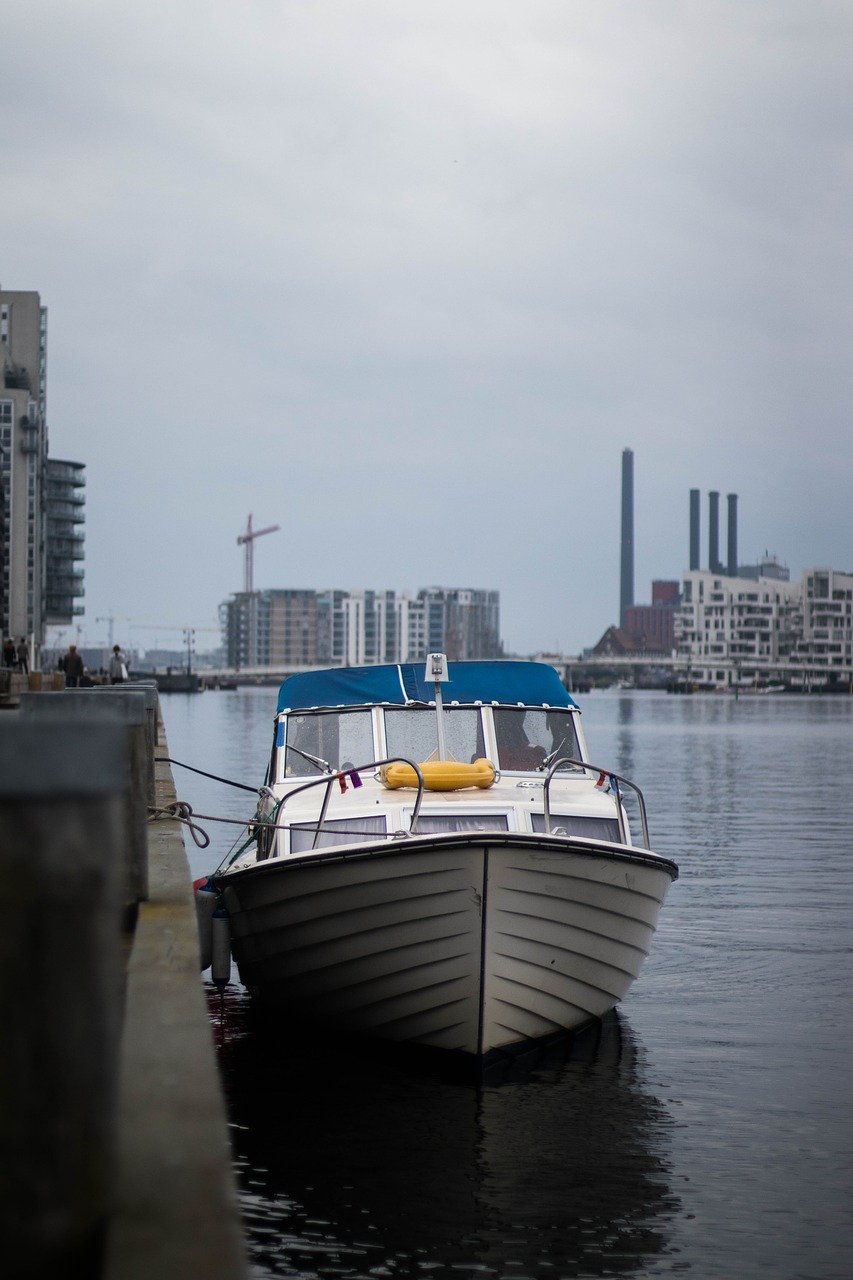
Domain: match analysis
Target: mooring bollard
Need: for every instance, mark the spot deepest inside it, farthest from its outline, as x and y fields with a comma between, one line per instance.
x=61, y=834
x=132, y=711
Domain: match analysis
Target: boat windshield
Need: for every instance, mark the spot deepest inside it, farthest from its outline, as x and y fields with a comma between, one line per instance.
x=413, y=733
x=337, y=739
x=528, y=737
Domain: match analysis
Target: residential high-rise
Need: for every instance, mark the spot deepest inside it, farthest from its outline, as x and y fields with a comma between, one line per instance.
x=266, y=628
x=41, y=506
x=64, y=503
x=23, y=457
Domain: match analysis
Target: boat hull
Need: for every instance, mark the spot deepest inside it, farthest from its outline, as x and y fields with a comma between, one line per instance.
x=470, y=946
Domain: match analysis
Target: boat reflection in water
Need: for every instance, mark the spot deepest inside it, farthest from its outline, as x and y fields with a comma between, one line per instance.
x=372, y=1166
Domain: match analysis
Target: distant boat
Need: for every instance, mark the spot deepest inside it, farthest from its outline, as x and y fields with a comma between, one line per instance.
x=434, y=861
x=176, y=681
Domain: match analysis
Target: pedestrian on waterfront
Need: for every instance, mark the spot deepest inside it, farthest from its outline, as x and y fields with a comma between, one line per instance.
x=10, y=657
x=117, y=671
x=23, y=656
x=73, y=667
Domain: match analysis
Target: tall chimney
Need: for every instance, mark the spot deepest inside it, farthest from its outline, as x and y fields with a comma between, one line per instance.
x=714, y=532
x=626, y=584
x=694, y=528
x=732, y=545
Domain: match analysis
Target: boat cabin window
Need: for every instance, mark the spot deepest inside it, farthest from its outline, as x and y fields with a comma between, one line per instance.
x=335, y=831
x=412, y=733
x=575, y=825
x=317, y=739
x=432, y=823
x=530, y=737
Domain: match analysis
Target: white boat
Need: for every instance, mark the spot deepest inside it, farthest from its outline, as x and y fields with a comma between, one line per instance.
x=435, y=861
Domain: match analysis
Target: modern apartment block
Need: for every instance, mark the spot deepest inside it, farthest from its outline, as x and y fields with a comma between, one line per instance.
x=265, y=628
x=825, y=633
x=64, y=509
x=301, y=628
x=40, y=499
x=740, y=630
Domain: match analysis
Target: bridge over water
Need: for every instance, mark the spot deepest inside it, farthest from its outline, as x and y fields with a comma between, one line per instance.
x=639, y=669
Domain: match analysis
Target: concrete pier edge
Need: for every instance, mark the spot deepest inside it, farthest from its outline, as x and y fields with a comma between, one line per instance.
x=176, y=1212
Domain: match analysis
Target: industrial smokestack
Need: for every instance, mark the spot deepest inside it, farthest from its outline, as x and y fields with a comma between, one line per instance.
x=714, y=532
x=626, y=584
x=732, y=544
x=694, y=528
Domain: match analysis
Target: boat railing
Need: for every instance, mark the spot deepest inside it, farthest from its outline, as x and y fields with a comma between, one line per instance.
x=265, y=828
x=616, y=782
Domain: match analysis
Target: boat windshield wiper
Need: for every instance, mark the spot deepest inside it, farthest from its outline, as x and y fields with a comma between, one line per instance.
x=306, y=755
x=543, y=764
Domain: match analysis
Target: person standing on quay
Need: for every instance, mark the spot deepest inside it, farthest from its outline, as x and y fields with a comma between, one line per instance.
x=23, y=656
x=10, y=657
x=117, y=671
x=72, y=665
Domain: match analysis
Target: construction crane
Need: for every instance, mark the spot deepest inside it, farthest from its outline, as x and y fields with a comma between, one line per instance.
x=111, y=619
x=247, y=539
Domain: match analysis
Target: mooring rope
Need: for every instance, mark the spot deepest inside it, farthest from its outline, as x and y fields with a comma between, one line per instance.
x=228, y=781
x=180, y=811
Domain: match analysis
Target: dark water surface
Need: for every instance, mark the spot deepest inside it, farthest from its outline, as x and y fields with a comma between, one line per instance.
x=707, y=1129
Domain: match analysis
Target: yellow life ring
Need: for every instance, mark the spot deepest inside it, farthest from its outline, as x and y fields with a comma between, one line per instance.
x=440, y=775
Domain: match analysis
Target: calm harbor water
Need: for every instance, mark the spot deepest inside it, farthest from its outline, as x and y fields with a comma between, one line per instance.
x=705, y=1130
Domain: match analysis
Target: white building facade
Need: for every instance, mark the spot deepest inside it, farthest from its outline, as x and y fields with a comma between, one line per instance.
x=740, y=631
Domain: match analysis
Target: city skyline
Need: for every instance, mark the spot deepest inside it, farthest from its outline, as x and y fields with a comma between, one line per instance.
x=406, y=280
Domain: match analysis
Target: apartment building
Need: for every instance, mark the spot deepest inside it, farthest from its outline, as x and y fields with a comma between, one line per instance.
x=64, y=542
x=269, y=628
x=41, y=504
x=23, y=457
x=825, y=625
x=740, y=630
x=358, y=627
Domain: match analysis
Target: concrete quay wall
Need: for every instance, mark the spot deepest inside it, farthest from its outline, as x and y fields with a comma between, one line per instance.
x=115, y=1162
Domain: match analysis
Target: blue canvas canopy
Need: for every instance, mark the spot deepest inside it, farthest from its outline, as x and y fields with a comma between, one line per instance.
x=531, y=683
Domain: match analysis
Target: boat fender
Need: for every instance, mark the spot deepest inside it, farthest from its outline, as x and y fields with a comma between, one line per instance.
x=220, y=962
x=205, y=905
x=440, y=775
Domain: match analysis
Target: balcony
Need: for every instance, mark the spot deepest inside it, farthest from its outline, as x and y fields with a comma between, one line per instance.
x=73, y=473
x=67, y=511
x=16, y=378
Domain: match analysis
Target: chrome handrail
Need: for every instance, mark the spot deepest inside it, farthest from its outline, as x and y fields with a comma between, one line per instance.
x=602, y=774
x=327, y=780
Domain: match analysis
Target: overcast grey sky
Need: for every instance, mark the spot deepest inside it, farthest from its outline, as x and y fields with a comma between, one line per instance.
x=406, y=278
